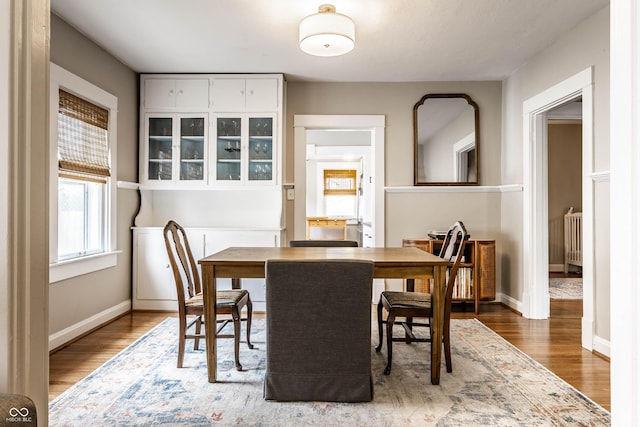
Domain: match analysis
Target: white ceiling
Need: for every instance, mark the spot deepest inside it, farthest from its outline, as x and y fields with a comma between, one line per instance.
x=396, y=40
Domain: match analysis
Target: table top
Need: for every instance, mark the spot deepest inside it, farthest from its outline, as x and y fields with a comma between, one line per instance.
x=405, y=256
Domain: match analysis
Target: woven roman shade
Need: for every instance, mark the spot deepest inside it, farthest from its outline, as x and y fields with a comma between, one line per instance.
x=83, y=148
x=339, y=181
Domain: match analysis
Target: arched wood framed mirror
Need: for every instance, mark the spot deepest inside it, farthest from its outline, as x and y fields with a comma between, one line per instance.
x=446, y=140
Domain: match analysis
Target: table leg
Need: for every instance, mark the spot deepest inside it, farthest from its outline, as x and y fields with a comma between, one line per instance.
x=437, y=301
x=209, y=297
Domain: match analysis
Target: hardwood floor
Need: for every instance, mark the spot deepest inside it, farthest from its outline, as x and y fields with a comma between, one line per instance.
x=554, y=343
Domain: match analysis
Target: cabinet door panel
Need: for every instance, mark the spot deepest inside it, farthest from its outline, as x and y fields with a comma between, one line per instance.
x=159, y=149
x=154, y=277
x=192, y=93
x=228, y=95
x=192, y=148
x=261, y=152
x=262, y=95
x=159, y=93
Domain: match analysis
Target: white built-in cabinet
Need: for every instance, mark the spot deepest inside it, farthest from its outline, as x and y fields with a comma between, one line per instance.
x=210, y=131
x=210, y=158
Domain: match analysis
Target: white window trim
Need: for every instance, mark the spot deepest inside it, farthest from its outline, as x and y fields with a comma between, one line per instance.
x=61, y=270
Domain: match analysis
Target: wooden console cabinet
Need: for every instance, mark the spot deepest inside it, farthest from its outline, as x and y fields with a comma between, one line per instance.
x=477, y=274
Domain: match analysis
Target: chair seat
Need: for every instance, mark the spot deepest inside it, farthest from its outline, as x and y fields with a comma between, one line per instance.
x=225, y=297
x=396, y=299
x=229, y=297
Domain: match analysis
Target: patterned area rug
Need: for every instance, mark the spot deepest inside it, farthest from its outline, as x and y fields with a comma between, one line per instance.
x=565, y=288
x=492, y=384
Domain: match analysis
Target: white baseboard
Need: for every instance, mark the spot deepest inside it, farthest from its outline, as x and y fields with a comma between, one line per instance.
x=510, y=302
x=602, y=346
x=64, y=336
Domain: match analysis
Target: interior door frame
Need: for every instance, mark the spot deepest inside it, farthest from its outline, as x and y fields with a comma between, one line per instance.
x=535, y=298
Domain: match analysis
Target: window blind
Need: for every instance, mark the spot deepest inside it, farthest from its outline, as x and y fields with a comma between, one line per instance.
x=340, y=181
x=83, y=147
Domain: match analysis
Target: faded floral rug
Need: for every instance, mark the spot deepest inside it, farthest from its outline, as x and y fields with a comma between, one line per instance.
x=492, y=384
x=565, y=288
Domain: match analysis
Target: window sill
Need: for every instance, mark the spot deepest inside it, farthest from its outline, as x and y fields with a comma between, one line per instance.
x=63, y=270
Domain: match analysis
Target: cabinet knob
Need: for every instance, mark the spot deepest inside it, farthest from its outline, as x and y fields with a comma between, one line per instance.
x=180, y=92
x=167, y=266
x=251, y=92
x=171, y=92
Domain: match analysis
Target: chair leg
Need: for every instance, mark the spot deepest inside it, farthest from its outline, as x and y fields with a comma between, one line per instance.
x=181, y=339
x=236, y=336
x=391, y=318
x=447, y=348
x=407, y=337
x=379, y=347
x=249, y=315
x=196, y=341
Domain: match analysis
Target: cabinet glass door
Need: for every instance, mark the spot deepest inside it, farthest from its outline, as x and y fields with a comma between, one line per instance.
x=192, y=145
x=160, y=145
x=260, y=149
x=228, y=148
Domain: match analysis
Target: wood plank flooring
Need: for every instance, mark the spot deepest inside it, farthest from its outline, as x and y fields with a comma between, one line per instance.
x=554, y=343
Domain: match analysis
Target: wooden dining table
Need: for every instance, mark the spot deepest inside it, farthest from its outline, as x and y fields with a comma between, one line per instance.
x=389, y=263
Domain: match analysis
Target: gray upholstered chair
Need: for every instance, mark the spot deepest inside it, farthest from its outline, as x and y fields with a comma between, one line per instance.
x=324, y=243
x=319, y=330
x=190, y=302
x=18, y=410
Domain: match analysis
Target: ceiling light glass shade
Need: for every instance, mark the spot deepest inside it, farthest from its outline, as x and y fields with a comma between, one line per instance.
x=327, y=33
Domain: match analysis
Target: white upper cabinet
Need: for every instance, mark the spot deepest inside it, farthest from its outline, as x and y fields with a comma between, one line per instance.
x=210, y=131
x=244, y=95
x=180, y=94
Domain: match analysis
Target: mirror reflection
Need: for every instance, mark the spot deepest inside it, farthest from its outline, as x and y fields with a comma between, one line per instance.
x=446, y=140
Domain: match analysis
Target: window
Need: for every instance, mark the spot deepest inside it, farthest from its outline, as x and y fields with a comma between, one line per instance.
x=82, y=202
x=339, y=181
x=340, y=192
x=81, y=226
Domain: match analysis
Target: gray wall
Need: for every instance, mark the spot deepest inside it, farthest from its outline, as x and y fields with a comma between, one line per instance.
x=584, y=46
x=74, y=300
x=409, y=215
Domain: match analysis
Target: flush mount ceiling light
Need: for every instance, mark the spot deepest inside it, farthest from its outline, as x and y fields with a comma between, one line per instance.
x=327, y=33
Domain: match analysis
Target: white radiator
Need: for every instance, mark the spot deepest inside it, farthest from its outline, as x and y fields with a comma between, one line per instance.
x=572, y=239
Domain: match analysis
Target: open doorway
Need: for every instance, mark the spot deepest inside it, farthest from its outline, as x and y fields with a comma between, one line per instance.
x=564, y=135
x=341, y=151
x=535, y=297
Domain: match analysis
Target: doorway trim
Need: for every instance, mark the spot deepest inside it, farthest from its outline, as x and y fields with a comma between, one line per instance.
x=535, y=213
